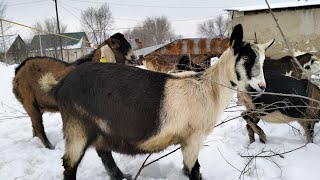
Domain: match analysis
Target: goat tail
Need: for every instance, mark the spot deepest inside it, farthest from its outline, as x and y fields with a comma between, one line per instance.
x=47, y=82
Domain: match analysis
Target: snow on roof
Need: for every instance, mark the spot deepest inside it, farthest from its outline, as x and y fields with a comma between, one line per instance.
x=148, y=50
x=275, y=6
x=8, y=41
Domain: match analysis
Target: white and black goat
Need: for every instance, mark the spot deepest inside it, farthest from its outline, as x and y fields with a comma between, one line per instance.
x=282, y=109
x=134, y=111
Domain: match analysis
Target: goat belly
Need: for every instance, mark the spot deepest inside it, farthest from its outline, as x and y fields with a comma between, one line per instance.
x=291, y=106
x=126, y=99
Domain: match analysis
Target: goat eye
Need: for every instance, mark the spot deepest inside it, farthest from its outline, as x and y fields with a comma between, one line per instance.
x=245, y=57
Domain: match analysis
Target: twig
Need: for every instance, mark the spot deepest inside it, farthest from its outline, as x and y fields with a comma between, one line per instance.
x=142, y=166
x=228, y=161
x=287, y=44
x=274, y=154
x=145, y=165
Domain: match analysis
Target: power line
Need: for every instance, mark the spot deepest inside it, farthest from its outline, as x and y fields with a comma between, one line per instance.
x=30, y=2
x=153, y=6
x=60, y=4
x=136, y=20
x=40, y=30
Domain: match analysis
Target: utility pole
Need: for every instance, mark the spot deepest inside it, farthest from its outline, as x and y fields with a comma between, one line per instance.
x=59, y=29
x=40, y=44
x=4, y=46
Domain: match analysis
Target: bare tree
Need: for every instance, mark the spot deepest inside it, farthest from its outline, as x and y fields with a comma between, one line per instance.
x=97, y=22
x=3, y=9
x=152, y=31
x=5, y=30
x=212, y=28
x=49, y=24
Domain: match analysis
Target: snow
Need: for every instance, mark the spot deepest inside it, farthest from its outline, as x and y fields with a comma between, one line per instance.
x=148, y=50
x=23, y=157
x=280, y=5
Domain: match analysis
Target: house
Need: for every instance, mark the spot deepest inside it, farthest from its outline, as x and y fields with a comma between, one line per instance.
x=165, y=57
x=299, y=21
x=13, y=50
x=49, y=45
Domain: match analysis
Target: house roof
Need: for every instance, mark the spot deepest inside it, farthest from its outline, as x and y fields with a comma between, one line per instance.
x=282, y=5
x=49, y=41
x=134, y=44
x=186, y=45
x=8, y=40
x=148, y=50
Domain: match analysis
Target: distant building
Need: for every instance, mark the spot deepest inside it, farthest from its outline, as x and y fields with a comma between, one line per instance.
x=49, y=45
x=13, y=50
x=135, y=44
x=165, y=57
x=300, y=21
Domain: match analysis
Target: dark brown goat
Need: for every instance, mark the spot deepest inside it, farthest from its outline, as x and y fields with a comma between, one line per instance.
x=27, y=74
x=278, y=68
x=185, y=64
x=287, y=66
x=282, y=109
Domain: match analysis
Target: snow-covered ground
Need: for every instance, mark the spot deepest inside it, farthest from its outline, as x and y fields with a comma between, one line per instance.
x=23, y=157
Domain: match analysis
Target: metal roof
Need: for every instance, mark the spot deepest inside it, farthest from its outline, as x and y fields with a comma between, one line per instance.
x=282, y=5
x=48, y=41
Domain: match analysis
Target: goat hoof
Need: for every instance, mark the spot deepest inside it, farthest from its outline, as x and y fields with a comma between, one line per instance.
x=195, y=175
x=49, y=146
x=127, y=177
x=263, y=141
x=123, y=177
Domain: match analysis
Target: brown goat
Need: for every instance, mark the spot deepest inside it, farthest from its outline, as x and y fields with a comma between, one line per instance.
x=27, y=74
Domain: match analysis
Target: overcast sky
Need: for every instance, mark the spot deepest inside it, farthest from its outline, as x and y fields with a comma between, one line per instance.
x=183, y=14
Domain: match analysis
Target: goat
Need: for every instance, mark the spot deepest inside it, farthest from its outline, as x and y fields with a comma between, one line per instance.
x=185, y=64
x=282, y=109
x=135, y=111
x=28, y=73
x=287, y=66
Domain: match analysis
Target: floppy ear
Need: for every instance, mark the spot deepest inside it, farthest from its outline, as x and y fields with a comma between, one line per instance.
x=268, y=44
x=94, y=45
x=115, y=44
x=236, y=37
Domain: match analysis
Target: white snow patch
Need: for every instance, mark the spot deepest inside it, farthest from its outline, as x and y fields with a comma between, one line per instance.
x=23, y=157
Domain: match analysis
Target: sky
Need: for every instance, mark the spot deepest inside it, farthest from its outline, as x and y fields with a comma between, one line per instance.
x=184, y=15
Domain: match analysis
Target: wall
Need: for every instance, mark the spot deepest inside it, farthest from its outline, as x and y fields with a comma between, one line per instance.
x=69, y=55
x=300, y=26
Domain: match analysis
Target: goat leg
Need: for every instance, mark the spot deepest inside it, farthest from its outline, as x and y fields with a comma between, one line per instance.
x=111, y=166
x=250, y=134
x=194, y=174
x=252, y=121
x=33, y=110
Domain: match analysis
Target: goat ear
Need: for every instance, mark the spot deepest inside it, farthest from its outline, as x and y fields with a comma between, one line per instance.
x=94, y=45
x=115, y=44
x=236, y=37
x=268, y=44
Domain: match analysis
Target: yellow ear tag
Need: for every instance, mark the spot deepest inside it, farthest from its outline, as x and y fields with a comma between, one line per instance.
x=232, y=44
x=103, y=60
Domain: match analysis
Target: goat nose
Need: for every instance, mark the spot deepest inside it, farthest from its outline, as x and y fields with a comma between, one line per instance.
x=262, y=85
